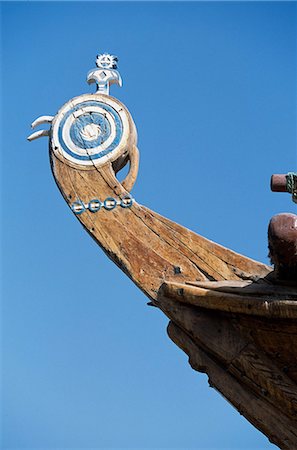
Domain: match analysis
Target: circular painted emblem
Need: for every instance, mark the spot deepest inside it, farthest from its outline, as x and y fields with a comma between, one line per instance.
x=91, y=130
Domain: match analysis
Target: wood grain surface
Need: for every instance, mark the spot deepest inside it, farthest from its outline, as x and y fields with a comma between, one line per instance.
x=226, y=311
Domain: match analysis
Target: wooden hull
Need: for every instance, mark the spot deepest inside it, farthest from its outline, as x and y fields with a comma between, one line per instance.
x=250, y=360
x=245, y=340
x=148, y=247
x=229, y=313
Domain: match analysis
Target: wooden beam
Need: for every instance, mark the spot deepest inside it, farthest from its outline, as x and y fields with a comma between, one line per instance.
x=281, y=430
x=266, y=305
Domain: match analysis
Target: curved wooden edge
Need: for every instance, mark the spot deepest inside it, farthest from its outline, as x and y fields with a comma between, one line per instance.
x=148, y=247
x=278, y=305
x=248, y=287
x=130, y=179
x=242, y=267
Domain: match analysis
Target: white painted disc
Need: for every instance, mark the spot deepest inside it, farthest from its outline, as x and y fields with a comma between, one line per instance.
x=92, y=129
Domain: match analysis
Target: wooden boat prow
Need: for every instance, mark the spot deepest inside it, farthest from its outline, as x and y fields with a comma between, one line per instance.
x=243, y=335
x=234, y=317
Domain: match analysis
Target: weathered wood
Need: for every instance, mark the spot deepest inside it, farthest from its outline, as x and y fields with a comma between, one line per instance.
x=217, y=337
x=280, y=429
x=147, y=246
x=232, y=315
x=257, y=354
x=282, y=243
x=277, y=338
x=248, y=287
x=154, y=251
x=220, y=337
x=285, y=183
x=267, y=304
x=278, y=183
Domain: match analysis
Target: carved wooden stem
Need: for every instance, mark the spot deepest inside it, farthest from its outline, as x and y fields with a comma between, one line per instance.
x=149, y=248
x=226, y=311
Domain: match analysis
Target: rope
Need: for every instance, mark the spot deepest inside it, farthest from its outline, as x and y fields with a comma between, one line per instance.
x=291, y=179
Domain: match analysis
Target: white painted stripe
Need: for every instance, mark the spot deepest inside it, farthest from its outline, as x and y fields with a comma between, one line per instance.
x=110, y=101
x=91, y=151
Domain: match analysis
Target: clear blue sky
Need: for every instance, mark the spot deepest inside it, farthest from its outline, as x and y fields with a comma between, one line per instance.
x=212, y=89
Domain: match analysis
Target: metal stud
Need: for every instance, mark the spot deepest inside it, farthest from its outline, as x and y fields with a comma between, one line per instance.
x=109, y=203
x=126, y=201
x=78, y=207
x=94, y=205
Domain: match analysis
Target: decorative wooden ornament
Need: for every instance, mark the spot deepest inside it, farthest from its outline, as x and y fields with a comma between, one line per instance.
x=233, y=316
x=94, y=130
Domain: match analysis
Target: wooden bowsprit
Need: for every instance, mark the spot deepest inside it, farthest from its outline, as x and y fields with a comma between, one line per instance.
x=233, y=316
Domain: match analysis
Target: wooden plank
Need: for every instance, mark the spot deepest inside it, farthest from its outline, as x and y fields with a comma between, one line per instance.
x=284, y=307
x=212, y=294
x=281, y=430
x=218, y=336
x=149, y=248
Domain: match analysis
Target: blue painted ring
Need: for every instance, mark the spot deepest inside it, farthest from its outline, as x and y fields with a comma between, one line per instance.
x=97, y=206
x=110, y=199
x=90, y=135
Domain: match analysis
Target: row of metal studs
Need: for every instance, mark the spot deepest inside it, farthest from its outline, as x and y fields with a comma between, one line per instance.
x=95, y=204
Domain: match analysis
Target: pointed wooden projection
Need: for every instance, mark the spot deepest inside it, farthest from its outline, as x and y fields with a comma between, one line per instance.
x=236, y=318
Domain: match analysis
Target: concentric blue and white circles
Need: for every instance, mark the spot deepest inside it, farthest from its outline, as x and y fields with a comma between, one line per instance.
x=89, y=130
